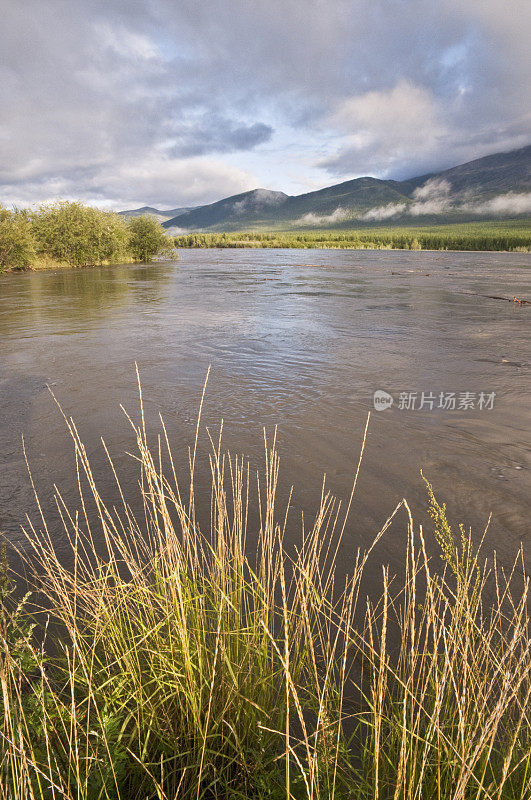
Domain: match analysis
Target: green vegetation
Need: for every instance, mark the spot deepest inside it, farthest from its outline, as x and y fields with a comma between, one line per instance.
x=222, y=663
x=146, y=238
x=17, y=245
x=71, y=234
x=513, y=235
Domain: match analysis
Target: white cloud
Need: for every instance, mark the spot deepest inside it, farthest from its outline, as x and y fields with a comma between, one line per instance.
x=433, y=197
x=339, y=215
x=384, y=212
x=126, y=43
x=502, y=205
x=434, y=188
x=381, y=127
x=153, y=180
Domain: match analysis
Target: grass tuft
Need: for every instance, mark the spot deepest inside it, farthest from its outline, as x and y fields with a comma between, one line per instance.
x=187, y=663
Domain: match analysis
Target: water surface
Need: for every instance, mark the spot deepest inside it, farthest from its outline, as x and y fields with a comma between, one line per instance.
x=298, y=339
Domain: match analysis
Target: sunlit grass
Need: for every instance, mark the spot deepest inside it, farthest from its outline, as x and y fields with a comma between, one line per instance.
x=187, y=664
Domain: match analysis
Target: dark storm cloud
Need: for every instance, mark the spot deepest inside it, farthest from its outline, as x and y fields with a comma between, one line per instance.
x=213, y=134
x=157, y=100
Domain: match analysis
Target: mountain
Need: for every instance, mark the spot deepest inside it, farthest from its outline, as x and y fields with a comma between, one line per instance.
x=155, y=212
x=490, y=175
x=263, y=208
x=257, y=204
x=489, y=187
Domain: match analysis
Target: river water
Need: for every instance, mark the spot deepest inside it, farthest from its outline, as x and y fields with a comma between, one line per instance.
x=300, y=339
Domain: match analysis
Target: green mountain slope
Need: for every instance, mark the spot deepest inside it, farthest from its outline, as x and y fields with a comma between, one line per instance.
x=240, y=208
x=488, y=188
x=488, y=176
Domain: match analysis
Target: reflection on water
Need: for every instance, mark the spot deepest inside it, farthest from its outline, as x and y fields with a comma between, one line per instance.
x=300, y=345
x=75, y=297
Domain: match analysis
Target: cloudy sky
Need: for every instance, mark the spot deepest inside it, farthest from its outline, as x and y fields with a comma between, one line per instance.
x=181, y=102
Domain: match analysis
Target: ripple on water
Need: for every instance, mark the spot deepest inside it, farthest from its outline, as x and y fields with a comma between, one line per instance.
x=293, y=338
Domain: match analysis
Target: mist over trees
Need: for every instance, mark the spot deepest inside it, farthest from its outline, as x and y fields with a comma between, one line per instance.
x=72, y=234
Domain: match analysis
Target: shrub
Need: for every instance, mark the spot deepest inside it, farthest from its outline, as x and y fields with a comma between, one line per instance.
x=147, y=238
x=16, y=242
x=78, y=234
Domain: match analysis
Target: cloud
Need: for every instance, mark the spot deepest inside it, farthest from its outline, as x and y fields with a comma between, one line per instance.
x=339, y=215
x=214, y=134
x=383, y=212
x=94, y=108
x=434, y=197
x=260, y=198
x=304, y=88
x=502, y=205
x=382, y=126
x=155, y=180
x=435, y=188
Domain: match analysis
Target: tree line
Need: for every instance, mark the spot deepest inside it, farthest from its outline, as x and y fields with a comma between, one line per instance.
x=509, y=236
x=73, y=234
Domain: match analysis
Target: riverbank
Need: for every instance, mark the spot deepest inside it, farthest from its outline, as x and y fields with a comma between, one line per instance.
x=49, y=264
x=509, y=236
x=191, y=665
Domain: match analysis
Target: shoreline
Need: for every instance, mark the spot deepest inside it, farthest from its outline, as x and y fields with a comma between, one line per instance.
x=510, y=236
x=61, y=266
x=374, y=249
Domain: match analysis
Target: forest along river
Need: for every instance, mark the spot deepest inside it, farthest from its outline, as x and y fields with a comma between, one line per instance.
x=296, y=338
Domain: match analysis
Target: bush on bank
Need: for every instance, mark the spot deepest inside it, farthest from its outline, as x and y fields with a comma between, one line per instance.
x=17, y=245
x=68, y=233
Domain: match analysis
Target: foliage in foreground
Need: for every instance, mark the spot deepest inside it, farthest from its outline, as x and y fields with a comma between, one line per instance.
x=201, y=664
x=76, y=235
x=509, y=235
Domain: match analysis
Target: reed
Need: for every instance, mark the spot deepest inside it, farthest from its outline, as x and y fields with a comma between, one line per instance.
x=221, y=663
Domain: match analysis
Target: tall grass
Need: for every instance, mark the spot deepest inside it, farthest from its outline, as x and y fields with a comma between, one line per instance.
x=178, y=662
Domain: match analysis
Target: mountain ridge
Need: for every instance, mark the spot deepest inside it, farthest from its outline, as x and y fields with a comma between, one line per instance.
x=155, y=212
x=489, y=187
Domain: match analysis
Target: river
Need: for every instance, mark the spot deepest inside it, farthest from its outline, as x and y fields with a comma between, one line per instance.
x=300, y=339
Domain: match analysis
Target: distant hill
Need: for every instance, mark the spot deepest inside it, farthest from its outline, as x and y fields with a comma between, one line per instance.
x=495, y=186
x=155, y=212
